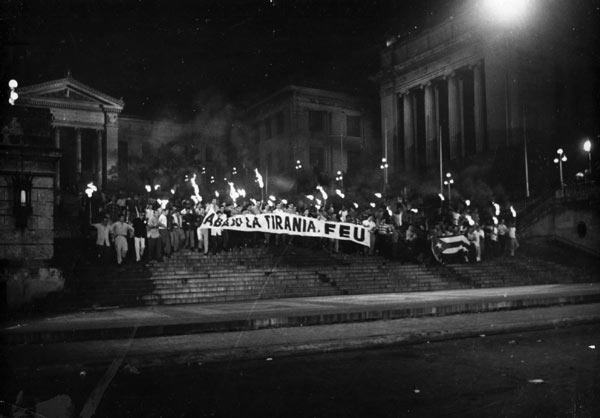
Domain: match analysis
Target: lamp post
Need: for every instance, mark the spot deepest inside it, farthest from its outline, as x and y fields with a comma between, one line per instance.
x=384, y=167
x=587, y=147
x=340, y=178
x=449, y=182
x=562, y=158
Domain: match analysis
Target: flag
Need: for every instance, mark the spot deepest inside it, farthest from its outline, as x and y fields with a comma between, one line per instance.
x=448, y=245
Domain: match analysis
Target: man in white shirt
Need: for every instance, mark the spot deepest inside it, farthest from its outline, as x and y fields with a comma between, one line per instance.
x=163, y=229
x=120, y=230
x=177, y=234
x=103, y=237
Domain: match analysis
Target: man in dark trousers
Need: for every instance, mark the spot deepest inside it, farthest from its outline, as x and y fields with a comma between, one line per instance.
x=139, y=235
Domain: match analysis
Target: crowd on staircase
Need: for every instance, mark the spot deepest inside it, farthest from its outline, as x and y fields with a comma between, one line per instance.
x=154, y=229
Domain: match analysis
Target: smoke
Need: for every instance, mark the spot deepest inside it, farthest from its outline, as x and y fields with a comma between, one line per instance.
x=216, y=138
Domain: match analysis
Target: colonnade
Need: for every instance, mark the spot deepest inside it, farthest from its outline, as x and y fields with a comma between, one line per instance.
x=76, y=163
x=451, y=107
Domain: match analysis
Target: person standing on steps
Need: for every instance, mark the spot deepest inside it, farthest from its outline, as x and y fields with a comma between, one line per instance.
x=139, y=235
x=163, y=229
x=502, y=237
x=154, y=241
x=103, y=230
x=120, y=230
x=513, y=243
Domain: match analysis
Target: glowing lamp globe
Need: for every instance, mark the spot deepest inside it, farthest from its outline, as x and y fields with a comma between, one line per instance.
x=587, y=146
x=506, y=11
x=13, y=84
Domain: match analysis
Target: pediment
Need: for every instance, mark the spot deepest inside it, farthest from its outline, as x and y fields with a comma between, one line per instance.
x=67, y=91
x=69, y=94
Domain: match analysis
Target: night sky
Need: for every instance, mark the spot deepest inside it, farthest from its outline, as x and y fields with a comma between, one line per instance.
x=164, y=54
x=158, y=53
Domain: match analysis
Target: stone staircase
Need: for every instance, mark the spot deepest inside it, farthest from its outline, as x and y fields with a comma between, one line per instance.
x=290, y=271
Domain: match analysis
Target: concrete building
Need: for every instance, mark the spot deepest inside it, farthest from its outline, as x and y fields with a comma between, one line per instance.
x=97, y=142
x=326, y=131
x=472, y=85
x=85, y=124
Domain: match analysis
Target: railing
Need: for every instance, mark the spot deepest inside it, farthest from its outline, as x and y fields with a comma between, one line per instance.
x=543, y=205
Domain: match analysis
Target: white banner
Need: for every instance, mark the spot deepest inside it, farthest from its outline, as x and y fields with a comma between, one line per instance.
x=287, y=223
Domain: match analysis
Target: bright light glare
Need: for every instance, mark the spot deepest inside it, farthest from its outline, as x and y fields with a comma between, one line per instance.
x=587, y=146
x=506, y=11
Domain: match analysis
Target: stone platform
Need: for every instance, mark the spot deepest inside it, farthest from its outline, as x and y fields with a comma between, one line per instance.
x=158, y=321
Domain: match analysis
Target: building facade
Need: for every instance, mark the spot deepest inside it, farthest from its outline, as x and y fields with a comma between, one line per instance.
x=85, y=126
x=326, y=131
x=469, y=86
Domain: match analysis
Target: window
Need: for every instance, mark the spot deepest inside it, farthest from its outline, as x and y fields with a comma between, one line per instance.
x=268, y=132
x=316, y=158
x=316, y=121
x=279, y=120
x=353, y=126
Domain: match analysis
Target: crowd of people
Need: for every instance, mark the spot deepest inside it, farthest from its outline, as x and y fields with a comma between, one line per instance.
x=152, y=229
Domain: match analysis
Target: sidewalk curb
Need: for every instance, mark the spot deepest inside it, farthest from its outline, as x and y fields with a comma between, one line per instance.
x=263, y=320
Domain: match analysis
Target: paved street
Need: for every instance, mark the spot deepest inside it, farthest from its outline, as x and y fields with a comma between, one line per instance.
x=537, y=362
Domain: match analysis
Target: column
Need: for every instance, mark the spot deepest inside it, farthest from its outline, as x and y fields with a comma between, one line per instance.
x=99, y=159
x=430, y=125
x=409, y=139
x=515, y=109
x=57, y=146
x=112, y=146
x=416, y=134
x=453, y=116
x=78, y=152
x=479, y=108
x=461, y=117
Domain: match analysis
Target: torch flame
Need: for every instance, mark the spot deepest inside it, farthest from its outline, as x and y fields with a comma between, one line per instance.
x=90, y=189
x=323, y=193
x=497, y=206
x=259, y=178
x=196, y=188
x=232, y=192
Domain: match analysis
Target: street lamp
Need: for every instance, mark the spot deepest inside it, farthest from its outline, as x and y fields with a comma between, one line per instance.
x=340, y=178
x=562, y=158
x=587, y=147
x=384, y=166
x=449, y=182
x=506, y=12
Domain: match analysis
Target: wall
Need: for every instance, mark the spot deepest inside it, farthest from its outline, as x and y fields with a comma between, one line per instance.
x=25, y=252
x=563, y=223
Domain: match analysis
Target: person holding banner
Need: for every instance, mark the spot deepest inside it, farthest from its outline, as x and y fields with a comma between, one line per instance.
x=202, y=234
x=371, y=228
